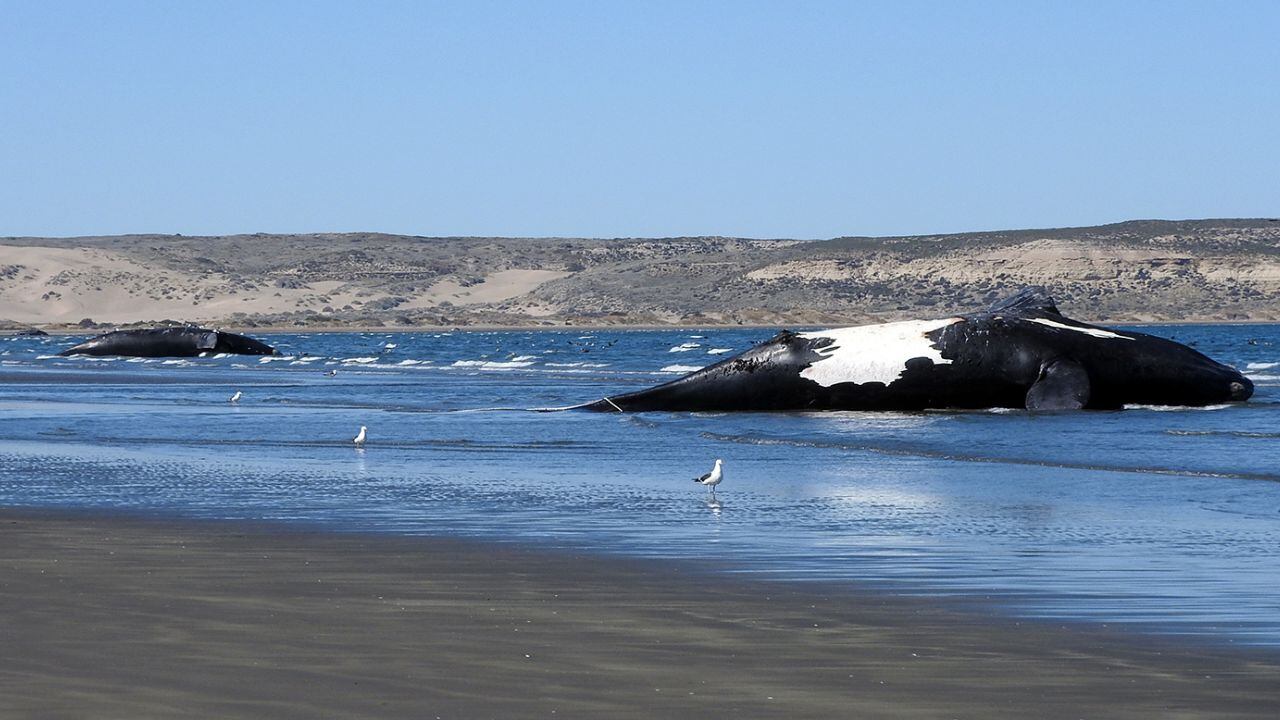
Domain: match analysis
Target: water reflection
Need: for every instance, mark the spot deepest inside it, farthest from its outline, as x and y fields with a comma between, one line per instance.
x=1153, y=517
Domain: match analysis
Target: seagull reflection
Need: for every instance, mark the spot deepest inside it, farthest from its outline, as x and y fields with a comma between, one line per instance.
x=714, y=505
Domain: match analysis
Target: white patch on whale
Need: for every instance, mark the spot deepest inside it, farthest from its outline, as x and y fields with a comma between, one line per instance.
x=1096, y=332
x=873, y=353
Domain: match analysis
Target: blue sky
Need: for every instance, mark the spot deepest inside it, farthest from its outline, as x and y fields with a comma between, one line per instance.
x=787, y=119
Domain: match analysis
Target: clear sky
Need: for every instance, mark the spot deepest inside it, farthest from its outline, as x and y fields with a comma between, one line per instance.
x=785, y=119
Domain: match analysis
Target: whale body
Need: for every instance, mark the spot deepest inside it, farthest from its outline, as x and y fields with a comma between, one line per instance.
x=1020, y=353
x=170, y=342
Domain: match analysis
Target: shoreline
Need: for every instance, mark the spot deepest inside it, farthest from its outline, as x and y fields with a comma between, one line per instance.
x=113, y=614
x=306, y=329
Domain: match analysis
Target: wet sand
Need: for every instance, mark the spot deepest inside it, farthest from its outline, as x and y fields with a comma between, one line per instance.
x=111, y=617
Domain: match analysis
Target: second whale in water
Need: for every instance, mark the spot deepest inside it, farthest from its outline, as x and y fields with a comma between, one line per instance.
x=1020, y=353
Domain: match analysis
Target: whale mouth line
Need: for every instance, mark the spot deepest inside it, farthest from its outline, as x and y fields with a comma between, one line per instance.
x=1091, y=331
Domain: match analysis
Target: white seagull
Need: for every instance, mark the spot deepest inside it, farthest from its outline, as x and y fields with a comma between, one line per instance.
x=713, y=478
x=359, y=439
x=236, y=398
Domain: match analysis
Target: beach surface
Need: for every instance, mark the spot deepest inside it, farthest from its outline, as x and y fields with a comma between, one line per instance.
x=113, y=617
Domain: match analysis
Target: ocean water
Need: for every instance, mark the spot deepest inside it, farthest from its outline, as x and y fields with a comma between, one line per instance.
x=1160, y=520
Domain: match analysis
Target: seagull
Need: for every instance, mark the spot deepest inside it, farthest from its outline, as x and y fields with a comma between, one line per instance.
x=713, y=478
x=331, y=373
x=235, y=398
x=359, y=440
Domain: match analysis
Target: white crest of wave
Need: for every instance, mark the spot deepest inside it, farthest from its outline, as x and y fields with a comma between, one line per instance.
x=491, y=364
x=680, y=368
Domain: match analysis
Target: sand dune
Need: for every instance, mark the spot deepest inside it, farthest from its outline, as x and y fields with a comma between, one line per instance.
x=47, y=285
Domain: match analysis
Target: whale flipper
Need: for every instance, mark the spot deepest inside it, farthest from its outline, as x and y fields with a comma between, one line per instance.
x=1063, y=385
x=1031, y=299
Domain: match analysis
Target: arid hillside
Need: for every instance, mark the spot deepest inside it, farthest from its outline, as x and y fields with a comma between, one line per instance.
x=1140, y=270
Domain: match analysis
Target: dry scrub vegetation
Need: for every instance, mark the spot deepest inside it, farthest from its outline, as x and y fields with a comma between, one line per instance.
x=1210, y=270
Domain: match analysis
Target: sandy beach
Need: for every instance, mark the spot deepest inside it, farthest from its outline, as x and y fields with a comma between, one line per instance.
x=112, y=617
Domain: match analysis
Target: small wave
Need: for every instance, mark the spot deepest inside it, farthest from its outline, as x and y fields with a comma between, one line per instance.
x=1224, y=433
x=466, y=444
x=390, y=346
x=1261, y=366
x=685, y=347
x=719, y=351
x=1264, y=378
x=577, y=365
x=491, y=364
x=524, y=358
x=276, y=358
x=412, y=362
x=680, y=368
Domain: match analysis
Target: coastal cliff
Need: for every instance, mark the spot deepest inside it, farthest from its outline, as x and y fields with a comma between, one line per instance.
x=1149, y=270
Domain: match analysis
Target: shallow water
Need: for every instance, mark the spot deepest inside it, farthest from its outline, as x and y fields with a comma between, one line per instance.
x=1165, y=519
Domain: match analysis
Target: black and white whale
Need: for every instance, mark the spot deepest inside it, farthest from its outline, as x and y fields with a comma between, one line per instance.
x=187, y=341
x=1020, y=353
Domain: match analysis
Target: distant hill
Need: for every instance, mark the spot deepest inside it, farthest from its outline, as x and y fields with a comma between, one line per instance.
x=1144, y=270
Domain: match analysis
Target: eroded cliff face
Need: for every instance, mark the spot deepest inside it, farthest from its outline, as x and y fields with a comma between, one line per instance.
x=1211, y=270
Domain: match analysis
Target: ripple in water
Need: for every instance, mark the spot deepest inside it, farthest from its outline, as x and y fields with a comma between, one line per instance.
x=1151, y=518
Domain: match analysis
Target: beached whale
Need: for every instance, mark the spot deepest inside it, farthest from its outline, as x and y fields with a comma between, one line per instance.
x=1020, y=353
x=170, y=342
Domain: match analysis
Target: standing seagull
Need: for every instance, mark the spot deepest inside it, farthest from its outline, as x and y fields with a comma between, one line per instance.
x=359, y=440
x=713, y=478
x=235, y=398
